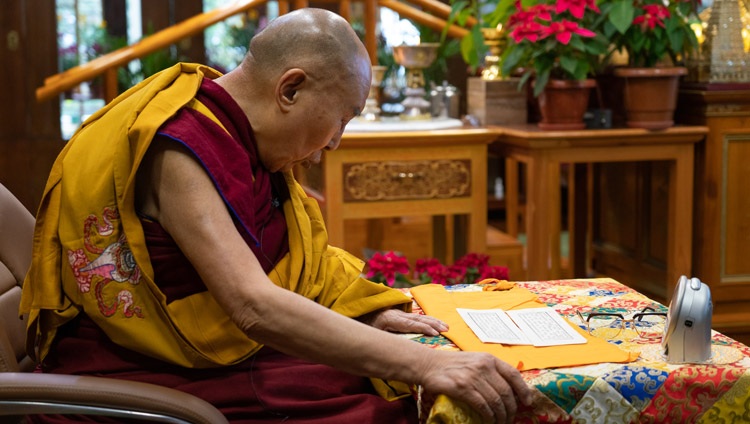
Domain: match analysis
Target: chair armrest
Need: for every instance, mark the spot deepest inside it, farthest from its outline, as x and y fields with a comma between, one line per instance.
x=31, y=393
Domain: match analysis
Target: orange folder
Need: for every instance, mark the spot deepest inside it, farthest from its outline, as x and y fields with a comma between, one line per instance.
x=442, y=304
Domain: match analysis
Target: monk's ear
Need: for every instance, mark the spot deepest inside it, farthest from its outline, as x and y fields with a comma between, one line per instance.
x=287, y=89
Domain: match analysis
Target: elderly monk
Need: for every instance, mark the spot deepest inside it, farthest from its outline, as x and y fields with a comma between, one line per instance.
x=173, y=246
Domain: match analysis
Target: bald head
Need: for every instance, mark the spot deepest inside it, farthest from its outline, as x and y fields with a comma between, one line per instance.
x=316, y=40
x=305, y=76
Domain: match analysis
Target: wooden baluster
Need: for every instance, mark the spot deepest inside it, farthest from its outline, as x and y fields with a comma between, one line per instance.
x=371, y=17
x=345, y=7
x=110, y=84
x=283, y=7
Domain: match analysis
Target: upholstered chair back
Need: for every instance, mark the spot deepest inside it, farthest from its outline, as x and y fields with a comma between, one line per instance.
x=16, y=233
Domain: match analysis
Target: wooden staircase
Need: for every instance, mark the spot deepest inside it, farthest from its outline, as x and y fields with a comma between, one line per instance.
x=107, y=65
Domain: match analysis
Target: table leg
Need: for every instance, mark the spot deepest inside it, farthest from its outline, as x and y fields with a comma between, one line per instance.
x=552, y=211
x=477, y=235
x=442, y=238
x=579, y=229
x=543, y=219
x=511, y=196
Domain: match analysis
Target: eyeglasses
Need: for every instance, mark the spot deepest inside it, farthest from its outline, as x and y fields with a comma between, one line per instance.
x=647, y=325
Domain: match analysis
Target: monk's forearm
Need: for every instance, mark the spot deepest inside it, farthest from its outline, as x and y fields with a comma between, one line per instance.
x=297, y=326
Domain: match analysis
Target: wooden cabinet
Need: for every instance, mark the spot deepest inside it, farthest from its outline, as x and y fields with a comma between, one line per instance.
x=418, y=173
x=722, y=200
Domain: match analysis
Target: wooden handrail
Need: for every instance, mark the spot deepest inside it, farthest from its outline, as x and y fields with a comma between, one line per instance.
x=440, y=9
x=109, y=63
x=424, y=18
x=66, y=80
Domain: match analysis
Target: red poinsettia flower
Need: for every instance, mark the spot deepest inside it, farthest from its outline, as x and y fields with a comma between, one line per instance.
x=564, y=30
x=654, y=14
x=576, y=7
x=498, y=272
x=524, y=24
x=539, y=11
x=387, y=265
x=393, y=269
x=440, y=274
x=424, y=264
x=531, y=31
x=473, y=260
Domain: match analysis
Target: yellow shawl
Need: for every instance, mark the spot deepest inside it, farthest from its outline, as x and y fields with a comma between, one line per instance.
x=90, y=252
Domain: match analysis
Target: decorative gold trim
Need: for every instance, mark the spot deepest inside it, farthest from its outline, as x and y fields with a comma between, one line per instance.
x=406, y=180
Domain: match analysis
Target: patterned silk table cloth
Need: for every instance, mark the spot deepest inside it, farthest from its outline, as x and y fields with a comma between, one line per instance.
x=648, y=390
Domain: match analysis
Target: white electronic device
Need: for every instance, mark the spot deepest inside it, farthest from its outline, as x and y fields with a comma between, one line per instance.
x=687, y=332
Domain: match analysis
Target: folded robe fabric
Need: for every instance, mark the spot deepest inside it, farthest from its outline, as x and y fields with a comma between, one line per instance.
x=442, y=304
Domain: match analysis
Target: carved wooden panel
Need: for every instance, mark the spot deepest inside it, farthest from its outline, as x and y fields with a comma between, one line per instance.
x=406, y=180
x=735, y=209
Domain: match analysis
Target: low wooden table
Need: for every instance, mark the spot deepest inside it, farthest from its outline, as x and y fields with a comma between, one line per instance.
x=544, y=151
x=413, y=173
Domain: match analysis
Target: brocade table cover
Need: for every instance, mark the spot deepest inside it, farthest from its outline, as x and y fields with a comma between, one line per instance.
x=649, y=390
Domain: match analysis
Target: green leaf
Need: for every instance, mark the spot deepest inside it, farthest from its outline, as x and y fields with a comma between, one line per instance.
x=458, y=6
x=468, y=52
x=569, y=64
x=503, y=9
x=511, y=58
x=478, y=37
x=541, y=82
x=621, y=15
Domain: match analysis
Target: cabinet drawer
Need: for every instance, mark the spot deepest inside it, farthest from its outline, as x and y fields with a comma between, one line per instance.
x=406, y=180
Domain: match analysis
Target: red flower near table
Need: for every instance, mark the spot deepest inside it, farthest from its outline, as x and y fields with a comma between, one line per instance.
x=387, y=267
x=393, y=269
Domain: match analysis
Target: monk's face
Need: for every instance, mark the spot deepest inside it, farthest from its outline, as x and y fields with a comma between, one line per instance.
x=322, y=117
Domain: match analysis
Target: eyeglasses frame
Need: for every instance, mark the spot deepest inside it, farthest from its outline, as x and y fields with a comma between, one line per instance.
x=624, y=322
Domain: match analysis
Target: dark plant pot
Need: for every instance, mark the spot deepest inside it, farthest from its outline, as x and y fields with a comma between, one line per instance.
x=563, y=103
x=650, y=95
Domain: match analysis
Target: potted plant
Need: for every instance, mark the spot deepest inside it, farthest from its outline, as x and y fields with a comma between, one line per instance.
x=656, y=37
x=556, y=42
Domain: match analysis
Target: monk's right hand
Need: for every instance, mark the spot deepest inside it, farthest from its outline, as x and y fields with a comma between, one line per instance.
x=487, y=384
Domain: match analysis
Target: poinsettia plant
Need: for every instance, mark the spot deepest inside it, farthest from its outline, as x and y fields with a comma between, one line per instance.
x=554, y=40
x=393, y=269
x=651, y=31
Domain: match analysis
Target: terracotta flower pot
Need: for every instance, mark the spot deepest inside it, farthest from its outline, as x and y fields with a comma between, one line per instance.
x=650, y=95
x=563, y=103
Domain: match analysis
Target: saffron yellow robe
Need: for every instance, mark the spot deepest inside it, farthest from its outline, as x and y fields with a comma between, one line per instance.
x=90, y=253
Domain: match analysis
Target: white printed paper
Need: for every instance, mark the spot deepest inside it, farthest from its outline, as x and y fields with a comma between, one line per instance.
x=493, y=326
x=534, y=326
x=545, y=327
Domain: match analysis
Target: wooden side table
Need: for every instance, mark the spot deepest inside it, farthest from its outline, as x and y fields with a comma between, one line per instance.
x=392, y=174
x=544, y=151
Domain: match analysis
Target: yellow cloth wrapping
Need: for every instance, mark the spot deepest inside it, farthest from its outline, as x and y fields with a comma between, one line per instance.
x=92, y=182
x=442, y=304
x=450, y=411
